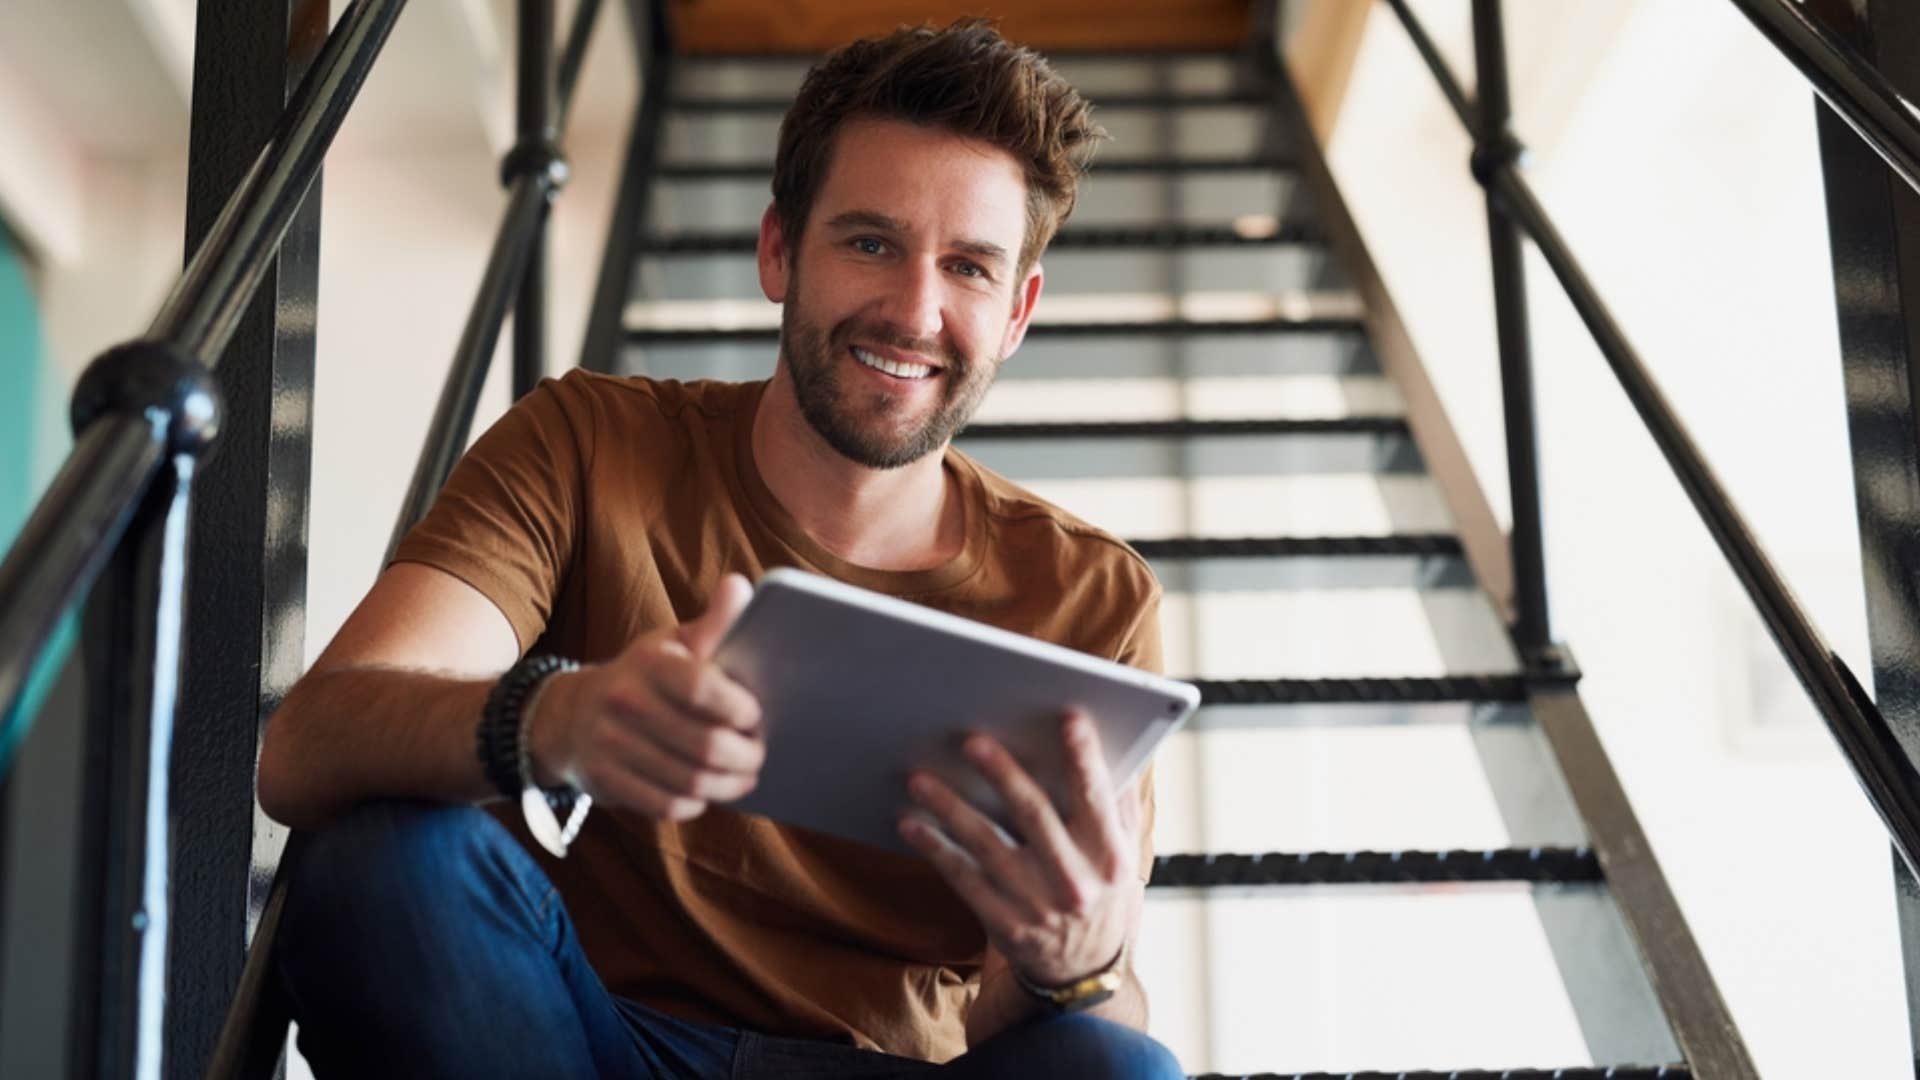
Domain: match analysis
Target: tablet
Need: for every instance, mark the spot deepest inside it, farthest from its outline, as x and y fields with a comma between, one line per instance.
x=858, y=689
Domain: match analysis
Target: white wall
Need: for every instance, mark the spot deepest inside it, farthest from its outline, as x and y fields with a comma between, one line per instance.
x=1686, y=176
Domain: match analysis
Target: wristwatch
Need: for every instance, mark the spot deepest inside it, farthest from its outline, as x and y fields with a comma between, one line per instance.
x=1082, y=993
x=501, y=743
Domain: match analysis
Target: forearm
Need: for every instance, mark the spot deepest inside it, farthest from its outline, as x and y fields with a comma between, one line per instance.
x=354, y=734
x=1002, y=1004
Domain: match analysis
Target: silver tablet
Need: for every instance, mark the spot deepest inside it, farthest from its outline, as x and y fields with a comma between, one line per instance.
x=859, y=689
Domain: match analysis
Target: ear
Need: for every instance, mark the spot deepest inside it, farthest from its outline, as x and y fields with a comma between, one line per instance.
x=1025, y=296
x=775, y=259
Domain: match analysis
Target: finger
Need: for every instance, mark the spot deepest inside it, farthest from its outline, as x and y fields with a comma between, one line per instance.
x=706, y=745
x=699, y=687
x=1037, y=822
x=703, y=635
x=614, y=786
x=1094, y=812
x=672, y=773
x=981, y=839
x=1000, y=917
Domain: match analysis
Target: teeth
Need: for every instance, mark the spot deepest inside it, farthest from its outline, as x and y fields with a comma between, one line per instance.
x=904, y=371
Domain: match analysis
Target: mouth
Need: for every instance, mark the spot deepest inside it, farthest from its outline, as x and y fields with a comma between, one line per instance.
x=904, y=370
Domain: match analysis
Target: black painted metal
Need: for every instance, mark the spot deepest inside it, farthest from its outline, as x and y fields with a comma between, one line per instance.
x=778, y=104
x=537, y=121
x=1541, y=865
x=1185, y=429
x=653, y=43
x=1095, y=238
x=1873, y=222
x=1883, y=114
x=266, y=76
x=763, y=170
x=1449, y=86
x=212, y=295
x=119, y=1021
x=1151, y=328
x=1890, y=777
x=446, y=437
x=1565, y=1073
x=65, y=543
x=1353, y=690
x=572, y=57
x=1422, y=545
x=1495, y=147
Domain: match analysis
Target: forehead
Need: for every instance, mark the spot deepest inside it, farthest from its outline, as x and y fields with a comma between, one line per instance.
x=935, y=181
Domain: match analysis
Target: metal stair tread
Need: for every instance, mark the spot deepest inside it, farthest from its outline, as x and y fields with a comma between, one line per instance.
x=1366, y=689
x=1181, y=429
x=1278, y=547
x=1094, y=237
x=1565, y=1073
x=1159, y=327
x=756, y=170
x=778, y=103
x=1536, y=865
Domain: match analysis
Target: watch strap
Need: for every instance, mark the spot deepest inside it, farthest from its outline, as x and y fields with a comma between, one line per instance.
x=1082, y=993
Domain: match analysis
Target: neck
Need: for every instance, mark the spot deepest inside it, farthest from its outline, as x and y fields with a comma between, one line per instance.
x=908, y=518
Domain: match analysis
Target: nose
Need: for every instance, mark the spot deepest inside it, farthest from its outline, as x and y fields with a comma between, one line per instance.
x=912, y=300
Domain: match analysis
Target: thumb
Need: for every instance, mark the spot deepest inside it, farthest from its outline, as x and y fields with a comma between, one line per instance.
x=702, y=635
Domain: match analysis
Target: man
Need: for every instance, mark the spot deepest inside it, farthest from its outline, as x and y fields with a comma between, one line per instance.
x=609, y=521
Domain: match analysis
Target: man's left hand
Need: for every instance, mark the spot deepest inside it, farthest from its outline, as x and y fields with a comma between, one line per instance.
x=1060, y=898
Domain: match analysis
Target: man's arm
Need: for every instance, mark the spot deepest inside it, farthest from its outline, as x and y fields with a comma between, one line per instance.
x=389, y=711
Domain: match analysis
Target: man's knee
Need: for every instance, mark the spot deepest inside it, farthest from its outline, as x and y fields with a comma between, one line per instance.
x=1075, y=1047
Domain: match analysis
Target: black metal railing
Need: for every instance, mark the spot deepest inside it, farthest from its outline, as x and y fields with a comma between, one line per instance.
x=1871, y=107
x=254, y=1034
x=113, y=520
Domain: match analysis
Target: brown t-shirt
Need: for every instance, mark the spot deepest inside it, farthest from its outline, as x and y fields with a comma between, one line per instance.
x=599, y=509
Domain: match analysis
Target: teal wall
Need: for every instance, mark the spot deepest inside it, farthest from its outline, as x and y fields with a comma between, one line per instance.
x=21, y=361
x=30, y=427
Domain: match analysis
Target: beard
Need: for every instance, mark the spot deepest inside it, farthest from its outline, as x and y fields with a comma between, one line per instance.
x=873, y=428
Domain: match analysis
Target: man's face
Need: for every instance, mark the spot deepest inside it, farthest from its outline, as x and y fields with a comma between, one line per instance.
x=901, y=299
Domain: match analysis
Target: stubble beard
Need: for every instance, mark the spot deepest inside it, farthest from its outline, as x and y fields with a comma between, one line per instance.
x=869, y=428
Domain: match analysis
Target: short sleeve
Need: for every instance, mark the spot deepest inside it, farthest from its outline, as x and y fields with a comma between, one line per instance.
x=508, y=519
x=1142, y=650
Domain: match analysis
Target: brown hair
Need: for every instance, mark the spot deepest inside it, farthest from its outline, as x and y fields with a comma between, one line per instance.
x=966, y=79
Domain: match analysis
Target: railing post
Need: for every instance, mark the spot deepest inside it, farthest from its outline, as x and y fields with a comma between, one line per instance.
x=1496, y=147
x=1873, y=223
x=244, y=632
x=537, y=126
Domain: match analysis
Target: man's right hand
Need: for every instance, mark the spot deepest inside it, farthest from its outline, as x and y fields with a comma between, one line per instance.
x=659, y=728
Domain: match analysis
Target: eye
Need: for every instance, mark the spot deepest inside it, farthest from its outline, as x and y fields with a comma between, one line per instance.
x=969, y=269
x=867, y=245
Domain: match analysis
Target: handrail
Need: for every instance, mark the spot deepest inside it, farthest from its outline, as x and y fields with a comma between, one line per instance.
x=1891, y=780
x=1851, y=86
x=251, y=1035
x=80, y=519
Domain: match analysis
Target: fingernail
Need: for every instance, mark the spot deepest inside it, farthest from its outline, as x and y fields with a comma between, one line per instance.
x=978, y=748
x=919, y=786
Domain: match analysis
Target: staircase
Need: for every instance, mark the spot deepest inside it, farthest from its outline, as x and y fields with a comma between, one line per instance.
x=1215, y=373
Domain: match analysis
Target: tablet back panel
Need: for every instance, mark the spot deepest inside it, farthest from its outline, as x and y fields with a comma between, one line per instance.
x=859, y=689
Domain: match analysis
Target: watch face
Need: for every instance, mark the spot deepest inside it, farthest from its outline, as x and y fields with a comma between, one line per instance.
x=1086, y=1001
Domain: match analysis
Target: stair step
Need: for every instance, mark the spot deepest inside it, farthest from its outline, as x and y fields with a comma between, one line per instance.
x=691, y=171
x=1258, y=234
x=1567, y=1073
x=1417, y=545
x=1116, y=328
x=1188, y=429
x=779, y=103
x=1364, y=690
x=1542, y=865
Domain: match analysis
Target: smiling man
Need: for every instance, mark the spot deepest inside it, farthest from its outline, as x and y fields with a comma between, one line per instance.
x=594, y=546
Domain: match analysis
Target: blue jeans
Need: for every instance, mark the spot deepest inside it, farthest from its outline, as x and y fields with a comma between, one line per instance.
x=423, y=941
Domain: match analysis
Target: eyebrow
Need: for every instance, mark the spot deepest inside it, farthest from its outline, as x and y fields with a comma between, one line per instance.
x=873, y=219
